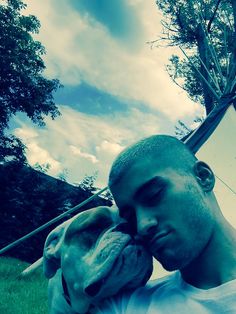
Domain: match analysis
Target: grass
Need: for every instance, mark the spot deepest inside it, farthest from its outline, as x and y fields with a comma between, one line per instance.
x=21, y=295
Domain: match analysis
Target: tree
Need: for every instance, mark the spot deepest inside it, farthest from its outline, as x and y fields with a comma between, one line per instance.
x=42, y=167
x=23, y=88
x=205, y=31
x=30, y=198
x=88, y=182
x=11, y=149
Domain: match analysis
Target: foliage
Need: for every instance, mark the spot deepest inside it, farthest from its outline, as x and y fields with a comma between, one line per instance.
x=11, y=149
x=29, y=199
x=42, y=168
x=108, y=196
x=23, y=88
x=88, y=182
x=182, y=130
x=205, y=32
x=63, y=175
x=21, y=294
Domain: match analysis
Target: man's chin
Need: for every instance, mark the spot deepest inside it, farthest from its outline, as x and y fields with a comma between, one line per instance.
x=168, y=262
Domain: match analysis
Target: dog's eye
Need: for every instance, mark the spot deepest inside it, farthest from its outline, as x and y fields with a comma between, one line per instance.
x=94, y=231
x=86, y=240
x=87, y=237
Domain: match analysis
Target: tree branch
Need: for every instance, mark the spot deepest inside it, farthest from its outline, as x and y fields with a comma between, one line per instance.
x=213, y=16
x=233, y=2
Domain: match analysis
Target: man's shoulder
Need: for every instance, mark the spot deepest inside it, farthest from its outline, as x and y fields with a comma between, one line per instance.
x=164, y=281
x=158, y=286
x=140, y=298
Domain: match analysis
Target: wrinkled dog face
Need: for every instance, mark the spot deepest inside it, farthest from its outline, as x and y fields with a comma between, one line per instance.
x=99, y=258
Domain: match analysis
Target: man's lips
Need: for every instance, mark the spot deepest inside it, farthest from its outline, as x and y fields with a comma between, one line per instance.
x=158, y=241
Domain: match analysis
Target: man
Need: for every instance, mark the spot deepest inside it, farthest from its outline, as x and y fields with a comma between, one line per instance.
x=167, y=197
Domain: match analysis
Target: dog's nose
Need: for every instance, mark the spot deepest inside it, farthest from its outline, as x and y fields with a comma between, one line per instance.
x=138, y=239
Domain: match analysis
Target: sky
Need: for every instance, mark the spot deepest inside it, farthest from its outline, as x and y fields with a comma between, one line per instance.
x=116, y=89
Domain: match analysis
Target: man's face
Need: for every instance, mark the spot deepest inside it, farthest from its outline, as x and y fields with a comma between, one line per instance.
x=168, y=209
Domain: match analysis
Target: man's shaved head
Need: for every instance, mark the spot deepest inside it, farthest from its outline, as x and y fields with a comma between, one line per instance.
x=165, y=150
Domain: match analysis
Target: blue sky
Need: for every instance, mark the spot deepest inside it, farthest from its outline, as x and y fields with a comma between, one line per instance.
x=116, y=89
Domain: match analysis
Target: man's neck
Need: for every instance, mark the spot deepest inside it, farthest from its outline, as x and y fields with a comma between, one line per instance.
x=217, y=263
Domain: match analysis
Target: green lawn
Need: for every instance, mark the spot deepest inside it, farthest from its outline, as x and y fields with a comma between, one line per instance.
x=21, y=295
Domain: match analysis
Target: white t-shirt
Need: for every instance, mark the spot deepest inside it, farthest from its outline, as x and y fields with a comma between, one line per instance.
x=172, y=295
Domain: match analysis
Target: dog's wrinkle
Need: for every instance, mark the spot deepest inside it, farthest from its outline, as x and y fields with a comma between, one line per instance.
x=134, y=257
x=106, y=254
x=110, y=245
x=95, y=224
x=120, y=274
x=97, y=287
x=129, y=257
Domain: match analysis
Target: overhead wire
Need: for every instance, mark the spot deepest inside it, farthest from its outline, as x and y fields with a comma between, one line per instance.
x=226, y=184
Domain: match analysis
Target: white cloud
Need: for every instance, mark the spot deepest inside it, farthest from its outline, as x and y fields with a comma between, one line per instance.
x=84, y=144
x=109, y=148
x=77, y=152
x=35, y=153
x=42, y=156
x=80, y=50
x=26, y=133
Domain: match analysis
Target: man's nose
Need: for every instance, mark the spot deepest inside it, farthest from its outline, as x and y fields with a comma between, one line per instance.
x=146, y=224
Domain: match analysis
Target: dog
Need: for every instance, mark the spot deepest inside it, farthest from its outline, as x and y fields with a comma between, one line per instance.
x=92, y=257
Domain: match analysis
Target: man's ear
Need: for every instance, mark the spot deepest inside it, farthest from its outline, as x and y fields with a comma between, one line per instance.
x=52, y=250
x=204, y=175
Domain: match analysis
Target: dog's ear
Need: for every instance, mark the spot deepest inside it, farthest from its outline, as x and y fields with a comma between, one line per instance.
x=52, y=250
